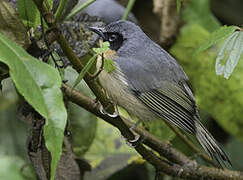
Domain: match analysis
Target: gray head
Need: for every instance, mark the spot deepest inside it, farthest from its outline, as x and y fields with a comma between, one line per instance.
x=120, y=34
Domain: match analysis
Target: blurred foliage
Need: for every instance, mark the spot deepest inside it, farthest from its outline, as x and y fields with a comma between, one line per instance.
x=109, y=152
x=83, y=124
x=10, y=168
x=198, y=12
x=214, y=94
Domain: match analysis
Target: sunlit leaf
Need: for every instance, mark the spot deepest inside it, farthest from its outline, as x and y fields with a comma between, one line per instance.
x=39, y=84
x=229, y=54
x=104, y=48
x=215, y=37
x=29, y=12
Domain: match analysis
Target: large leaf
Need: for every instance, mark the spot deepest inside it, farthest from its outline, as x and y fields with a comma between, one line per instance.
x=11, y=25
x=216, y=36
x=40, y=85
x=83, y=124
x=229, y=54
x=108, y=153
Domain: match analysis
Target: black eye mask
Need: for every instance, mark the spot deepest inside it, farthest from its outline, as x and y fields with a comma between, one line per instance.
x=115, y=40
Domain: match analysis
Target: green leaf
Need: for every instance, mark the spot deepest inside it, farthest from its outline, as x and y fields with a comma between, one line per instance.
x=10, y=168
x=86, y=68
x=109, y=65
x=178, y=6
x=83, y=124
x=108, y=153
x=28, y=12
x=105, y=46
x=215, y=37
x=12, y=26
x=229, y=54
x=39, y=84
x=199, y=12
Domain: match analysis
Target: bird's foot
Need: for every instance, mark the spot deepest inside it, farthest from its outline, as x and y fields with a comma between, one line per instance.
x=114, y=115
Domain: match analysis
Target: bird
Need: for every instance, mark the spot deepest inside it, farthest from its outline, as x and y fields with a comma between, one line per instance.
x=150, y=84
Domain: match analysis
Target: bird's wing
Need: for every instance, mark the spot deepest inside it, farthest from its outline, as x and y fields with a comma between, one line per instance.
x=160, y=83
x=172, y=104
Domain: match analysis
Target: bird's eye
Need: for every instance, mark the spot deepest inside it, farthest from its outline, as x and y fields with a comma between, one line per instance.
x=112, y=37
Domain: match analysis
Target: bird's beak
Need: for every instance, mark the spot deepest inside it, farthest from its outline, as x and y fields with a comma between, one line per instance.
x=98, y=30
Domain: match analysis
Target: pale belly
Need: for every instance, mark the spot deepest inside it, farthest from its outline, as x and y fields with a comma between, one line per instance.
x=121, y=95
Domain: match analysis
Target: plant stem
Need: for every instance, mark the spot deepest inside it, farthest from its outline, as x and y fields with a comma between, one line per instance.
x=60, y=10
x=128, y=9
x=76, y=10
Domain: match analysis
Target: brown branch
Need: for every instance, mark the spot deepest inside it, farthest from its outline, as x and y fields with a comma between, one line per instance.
x=179, y=165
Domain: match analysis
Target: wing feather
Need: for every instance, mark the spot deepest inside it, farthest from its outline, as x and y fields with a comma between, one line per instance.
x=172, y=105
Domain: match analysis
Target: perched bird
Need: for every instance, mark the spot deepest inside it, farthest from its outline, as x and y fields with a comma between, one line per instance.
x=150, y=84
x=115, y=13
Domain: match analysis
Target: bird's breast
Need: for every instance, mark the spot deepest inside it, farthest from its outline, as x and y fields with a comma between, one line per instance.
x=117, y=89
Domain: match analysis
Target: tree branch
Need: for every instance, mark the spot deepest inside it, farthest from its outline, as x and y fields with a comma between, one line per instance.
x=179, y=165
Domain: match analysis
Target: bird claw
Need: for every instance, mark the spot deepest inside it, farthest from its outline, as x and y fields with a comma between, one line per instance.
x=137, y=136
x=103, y=111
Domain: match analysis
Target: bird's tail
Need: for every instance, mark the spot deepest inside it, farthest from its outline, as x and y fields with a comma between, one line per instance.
x=211, y=146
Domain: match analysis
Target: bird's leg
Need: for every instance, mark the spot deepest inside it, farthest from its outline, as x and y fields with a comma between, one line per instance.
x=137, y=136
x=103, y=111
x=132, y=143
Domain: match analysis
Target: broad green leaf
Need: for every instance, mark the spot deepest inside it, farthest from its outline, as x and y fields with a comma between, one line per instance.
x=178, y=6
x=107, y=142
x=222, y=99
x=11, y=25
x=86, y=68
x=109, y=65
x=10, y=168
x=28, y=12
x=229, y=54
x=39, y=84
x=105, y=46
x=199, y=12
x=83, y=124
x=215, y=37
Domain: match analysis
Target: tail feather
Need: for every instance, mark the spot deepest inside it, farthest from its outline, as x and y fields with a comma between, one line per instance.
x=210, y=145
